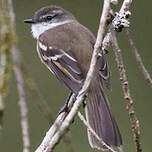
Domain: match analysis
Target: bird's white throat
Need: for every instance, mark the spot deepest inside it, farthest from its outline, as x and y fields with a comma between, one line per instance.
x=39, y=28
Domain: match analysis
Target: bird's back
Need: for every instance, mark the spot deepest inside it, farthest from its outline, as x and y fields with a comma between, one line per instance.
x=72, y=38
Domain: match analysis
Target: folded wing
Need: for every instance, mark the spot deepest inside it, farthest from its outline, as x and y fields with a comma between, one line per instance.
x=63, y=64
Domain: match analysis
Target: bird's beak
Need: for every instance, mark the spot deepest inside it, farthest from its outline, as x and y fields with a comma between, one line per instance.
x=29, y=21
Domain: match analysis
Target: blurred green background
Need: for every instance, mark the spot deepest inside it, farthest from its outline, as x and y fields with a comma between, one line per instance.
x=54, y=93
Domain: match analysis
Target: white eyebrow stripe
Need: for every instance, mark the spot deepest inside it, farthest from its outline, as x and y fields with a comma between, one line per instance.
x=42, y=46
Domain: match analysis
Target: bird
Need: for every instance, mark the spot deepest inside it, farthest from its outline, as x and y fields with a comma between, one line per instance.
x=65, y=46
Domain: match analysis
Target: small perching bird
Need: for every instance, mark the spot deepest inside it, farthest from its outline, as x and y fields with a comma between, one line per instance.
x=65, y=47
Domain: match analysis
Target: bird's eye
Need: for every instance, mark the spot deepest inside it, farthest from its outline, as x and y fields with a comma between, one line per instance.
x=49, y=17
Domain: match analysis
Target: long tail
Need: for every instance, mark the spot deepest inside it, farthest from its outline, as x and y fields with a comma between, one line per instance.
x=100, y=118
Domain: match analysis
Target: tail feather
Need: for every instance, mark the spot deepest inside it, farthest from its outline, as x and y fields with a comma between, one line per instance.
x=100, y=118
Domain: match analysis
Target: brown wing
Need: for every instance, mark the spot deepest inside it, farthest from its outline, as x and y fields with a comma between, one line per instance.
x=63, y=64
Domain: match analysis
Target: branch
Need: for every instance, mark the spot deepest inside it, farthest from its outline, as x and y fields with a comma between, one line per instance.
x=125, y=6
x=20, y=84
x=22, y=99
x=114, y=2
x=54, y=128
x=125, y=86
x=120, y=21
x=51, y=142
x=139, y=59
x=11, y=40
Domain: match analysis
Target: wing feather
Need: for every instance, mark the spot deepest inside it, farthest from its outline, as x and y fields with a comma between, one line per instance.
x=63, y=64
x=104, y=71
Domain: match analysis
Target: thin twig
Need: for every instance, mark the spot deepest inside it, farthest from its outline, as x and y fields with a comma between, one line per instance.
x=114, y=2
x=50, y=144
x=139, y=59
x=93, y=132
x=108, y=40
x=125, y=86
x=125, y=6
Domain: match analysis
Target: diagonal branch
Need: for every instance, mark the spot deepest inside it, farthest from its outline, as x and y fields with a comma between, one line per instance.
x=110, y=39
x=126, y=5
x=54, y=128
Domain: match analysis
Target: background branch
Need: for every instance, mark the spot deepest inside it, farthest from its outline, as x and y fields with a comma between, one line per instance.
x=22, y=99
x=110, y=39
x=8, y=25
x=139, y=59
x=125, y=6
x=125, y=86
